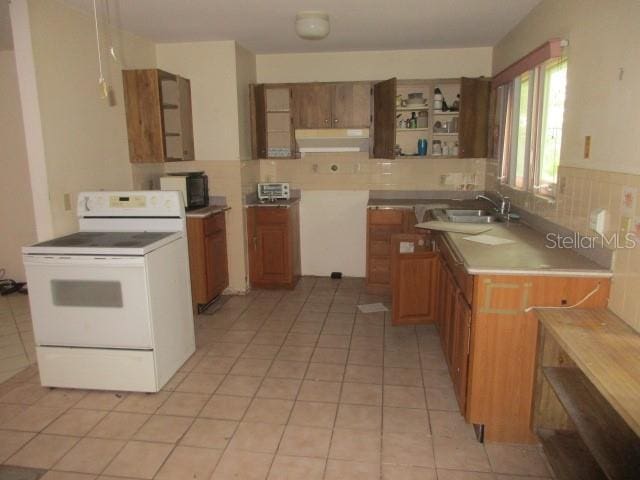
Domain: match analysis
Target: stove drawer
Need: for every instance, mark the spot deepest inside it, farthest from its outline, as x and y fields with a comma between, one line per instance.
x=97, y=369
x=88, y=301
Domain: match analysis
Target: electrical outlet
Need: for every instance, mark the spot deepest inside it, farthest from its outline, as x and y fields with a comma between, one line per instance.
x=67, y=202
x=587, y=147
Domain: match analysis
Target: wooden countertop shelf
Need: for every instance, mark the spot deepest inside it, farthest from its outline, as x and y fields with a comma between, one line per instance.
x=587, y=397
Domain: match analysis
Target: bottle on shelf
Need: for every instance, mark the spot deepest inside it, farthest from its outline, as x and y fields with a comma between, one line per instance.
x=455, y=150
x=437, y=99
x=422, y=147
x=414, y=120
x=445, y=149
x=455, y=106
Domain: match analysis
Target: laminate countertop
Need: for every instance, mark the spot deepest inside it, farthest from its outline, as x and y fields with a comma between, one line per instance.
x=276, y=204
x=205, y=212
x=528, y=253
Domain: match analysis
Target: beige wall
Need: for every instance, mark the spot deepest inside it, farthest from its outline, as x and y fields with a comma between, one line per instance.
x=85, y=139
x=220, y=73
x=374, y=65
x=211, y=68
x=17, y=222
x=245, y=75
x=603, y=38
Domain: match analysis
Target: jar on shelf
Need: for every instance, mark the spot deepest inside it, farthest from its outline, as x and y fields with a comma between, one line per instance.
x=436, y=149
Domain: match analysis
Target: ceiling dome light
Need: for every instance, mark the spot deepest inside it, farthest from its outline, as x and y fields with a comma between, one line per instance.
x=312, y=25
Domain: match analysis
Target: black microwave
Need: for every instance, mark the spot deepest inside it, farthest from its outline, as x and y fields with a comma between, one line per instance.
x=194, y=187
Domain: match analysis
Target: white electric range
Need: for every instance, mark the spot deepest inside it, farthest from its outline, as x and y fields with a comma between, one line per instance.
x=111, y=304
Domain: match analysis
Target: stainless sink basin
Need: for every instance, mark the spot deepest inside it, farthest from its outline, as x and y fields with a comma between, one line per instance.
x=467, y=216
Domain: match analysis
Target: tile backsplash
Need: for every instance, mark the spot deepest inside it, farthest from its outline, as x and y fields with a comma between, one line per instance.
x=356, y=171
x=580, y=192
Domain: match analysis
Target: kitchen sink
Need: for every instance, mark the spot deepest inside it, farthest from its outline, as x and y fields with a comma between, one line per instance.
x=467, y=216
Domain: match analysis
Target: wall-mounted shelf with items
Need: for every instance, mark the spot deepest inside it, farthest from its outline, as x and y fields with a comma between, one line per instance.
x=467, y=126
x=272, y=123
x=159, y=120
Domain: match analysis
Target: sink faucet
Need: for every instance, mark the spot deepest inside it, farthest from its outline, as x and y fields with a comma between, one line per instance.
x=504, y=208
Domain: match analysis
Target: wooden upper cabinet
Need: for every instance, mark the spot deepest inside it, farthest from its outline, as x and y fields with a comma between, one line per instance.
x=351, y=105
x=159, y=119
x=258, y=104
x=312, y=104
x=384, y=118
x=327, y=105
x=474, y=117
x=186, y=119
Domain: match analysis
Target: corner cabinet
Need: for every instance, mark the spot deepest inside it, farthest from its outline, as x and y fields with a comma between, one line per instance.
x=273, y=235
x=159, y=118
x=382, y=225
x=208, y=263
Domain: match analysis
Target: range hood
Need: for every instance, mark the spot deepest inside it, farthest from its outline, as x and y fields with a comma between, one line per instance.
x=324, y=140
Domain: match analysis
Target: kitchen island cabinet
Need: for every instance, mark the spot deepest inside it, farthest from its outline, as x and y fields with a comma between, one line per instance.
x=489, y=340
x=208, y=264
x=273, y=235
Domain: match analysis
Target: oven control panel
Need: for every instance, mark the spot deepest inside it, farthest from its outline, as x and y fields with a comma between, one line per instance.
x=130, y=204
x=127, y=201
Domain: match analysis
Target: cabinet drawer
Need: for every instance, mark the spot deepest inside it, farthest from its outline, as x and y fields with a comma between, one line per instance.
x=271, y=216
x=380, y=270
x=214, y=224
x=463, y=279
x=386, y=217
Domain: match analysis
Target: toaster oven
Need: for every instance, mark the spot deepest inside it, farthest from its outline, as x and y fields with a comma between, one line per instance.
x=273, y=191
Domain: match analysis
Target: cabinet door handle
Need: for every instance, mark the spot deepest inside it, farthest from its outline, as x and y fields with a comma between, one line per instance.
x=326, y=122
x=335, y=120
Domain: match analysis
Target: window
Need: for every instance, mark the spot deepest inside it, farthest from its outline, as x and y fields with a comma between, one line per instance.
x=531, y=110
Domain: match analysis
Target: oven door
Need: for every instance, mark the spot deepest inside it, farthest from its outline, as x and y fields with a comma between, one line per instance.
x=88, y=301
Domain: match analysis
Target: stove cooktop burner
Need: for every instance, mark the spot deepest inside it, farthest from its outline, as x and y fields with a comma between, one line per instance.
x=106, y=239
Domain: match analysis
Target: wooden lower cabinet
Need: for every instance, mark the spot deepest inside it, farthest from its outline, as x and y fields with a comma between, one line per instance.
x=208, y=262
x=414, y=280
x=454, y=325
x=489, y=341
x=382, y=224
x=273, y=235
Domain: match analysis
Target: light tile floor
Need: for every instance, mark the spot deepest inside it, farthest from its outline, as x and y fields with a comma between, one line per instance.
x=283, y=385
x=17, y=349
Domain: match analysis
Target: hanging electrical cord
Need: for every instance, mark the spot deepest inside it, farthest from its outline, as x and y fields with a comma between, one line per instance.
x=102, y=83
x=564, y=307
